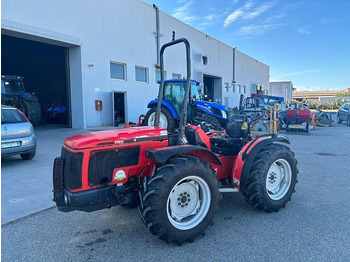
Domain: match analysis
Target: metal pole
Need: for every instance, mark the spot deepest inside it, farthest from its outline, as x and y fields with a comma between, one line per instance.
x=183, y=116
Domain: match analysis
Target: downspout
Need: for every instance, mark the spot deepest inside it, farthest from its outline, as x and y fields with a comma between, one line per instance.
x=157, y=34
x=234, y=66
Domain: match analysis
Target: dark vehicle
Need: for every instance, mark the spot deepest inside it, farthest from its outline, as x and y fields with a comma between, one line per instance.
x=198, y=110
x=176, y=179
x=17, y=134
x=344, y=114
x=13, y=94
x=55, y=113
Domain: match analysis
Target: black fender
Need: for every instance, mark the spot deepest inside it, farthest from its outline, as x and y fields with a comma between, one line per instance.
x=162, y=155
x=248, y=158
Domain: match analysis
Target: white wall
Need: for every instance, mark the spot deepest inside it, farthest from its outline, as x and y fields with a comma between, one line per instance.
x=123, y=31
x=250, y=72
x=282, y=89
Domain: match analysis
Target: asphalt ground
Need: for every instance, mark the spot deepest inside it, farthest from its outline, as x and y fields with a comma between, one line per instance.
x=314, y=226
x=27, y=185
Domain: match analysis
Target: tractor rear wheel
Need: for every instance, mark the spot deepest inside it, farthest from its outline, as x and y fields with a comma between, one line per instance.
x=179, y=201
x=272, y=178
x=32, y=111
x=166, y=119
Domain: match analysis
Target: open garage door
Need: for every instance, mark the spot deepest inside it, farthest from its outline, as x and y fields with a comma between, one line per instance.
x=44, y=68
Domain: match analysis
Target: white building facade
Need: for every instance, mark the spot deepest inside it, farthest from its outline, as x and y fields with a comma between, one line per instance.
x=282, y=89
x=112, y=49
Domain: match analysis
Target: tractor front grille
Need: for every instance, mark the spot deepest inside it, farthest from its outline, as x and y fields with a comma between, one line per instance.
x=72, y=168
x=102, y=163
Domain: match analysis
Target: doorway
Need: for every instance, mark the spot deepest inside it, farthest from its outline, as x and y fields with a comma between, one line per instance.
x=119, y=108
x=212, y=88
x=44, y=69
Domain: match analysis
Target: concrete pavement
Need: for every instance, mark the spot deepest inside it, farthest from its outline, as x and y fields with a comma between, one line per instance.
x=27, y=185
x=314, y=226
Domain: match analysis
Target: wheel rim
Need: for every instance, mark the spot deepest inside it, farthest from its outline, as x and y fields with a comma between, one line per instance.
x=278, y=179
x=163, y=122
x=188, y=202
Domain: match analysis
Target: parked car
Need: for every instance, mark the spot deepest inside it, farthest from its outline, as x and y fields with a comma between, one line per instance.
x=17, y=134
x=344, y=114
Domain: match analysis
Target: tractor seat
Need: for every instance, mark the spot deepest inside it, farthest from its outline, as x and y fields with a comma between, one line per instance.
x=237, y=126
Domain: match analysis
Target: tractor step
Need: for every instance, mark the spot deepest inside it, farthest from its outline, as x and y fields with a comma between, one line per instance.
x=228, y=190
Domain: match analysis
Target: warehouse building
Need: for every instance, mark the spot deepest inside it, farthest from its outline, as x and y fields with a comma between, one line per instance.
x=99, y=58
x=282, y=89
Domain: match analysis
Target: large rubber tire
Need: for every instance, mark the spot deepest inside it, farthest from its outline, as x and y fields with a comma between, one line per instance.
x=255, y=190
x=33, y=111
x=169, y=116
x=338, y=119
x=154, y=205
x=28, y=156
x=348, y=121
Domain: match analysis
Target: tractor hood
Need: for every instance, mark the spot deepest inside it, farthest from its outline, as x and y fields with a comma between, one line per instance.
x=212, y=108
x=117, y=136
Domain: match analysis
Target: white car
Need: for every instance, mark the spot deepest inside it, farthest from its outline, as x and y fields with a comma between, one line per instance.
x=17, y=134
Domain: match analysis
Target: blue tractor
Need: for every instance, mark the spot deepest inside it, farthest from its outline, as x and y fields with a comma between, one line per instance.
x=13, y=94
x=200, y=112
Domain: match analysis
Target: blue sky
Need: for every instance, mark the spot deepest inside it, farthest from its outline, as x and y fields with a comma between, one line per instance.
x=305, y=41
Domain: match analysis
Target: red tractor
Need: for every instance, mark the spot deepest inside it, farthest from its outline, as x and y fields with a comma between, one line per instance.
x=176, y=179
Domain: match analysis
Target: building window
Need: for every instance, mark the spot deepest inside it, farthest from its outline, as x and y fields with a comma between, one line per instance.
x=176, y=76
x=158, y=75
x=227, y=87
x=239, y=89
x=244, y=89
x=141, y=74
x=205, y=60
x=118, y=70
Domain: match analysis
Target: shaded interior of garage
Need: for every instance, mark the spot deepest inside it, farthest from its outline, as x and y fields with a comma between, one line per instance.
x=44, y=68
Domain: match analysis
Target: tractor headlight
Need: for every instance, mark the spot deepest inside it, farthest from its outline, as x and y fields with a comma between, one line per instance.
x=224, y=115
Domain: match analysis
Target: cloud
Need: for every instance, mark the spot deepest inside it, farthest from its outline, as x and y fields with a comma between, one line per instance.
x=306, y=88
x=254, y=29
x=245, y=13
x=259, y=10
x=302, y=30
x=300, y=73
x=233, y=17
x=184, y=13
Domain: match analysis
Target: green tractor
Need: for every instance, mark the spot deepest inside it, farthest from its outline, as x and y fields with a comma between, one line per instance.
x=13, y=94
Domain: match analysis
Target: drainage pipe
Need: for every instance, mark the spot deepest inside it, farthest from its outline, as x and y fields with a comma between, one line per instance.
x=157, y=34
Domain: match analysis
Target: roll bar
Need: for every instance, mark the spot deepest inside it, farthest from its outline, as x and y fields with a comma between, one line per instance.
x=183, y=116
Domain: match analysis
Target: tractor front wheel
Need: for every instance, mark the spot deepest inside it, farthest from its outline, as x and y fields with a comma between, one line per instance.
x=166, y=119
x=272, y=178
x=179, y=201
